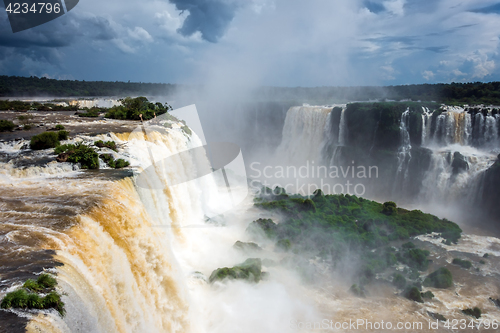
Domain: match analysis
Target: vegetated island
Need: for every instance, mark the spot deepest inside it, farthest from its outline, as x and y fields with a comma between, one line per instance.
x=329, y=226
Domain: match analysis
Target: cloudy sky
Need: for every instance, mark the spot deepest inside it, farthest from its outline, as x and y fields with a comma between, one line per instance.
x=264, y=42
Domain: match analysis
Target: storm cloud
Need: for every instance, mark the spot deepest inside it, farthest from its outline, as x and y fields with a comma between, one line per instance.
x=210, y=17
x=262, y=42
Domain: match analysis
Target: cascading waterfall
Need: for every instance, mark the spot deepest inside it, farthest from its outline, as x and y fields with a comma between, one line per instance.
x=462, y=144
x=404, y=152
x=304, y=134
x=120, y=273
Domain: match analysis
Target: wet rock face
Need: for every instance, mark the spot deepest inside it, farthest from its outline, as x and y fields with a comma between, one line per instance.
x=459, y=163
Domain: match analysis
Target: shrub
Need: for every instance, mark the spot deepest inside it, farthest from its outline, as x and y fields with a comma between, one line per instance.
x=112, y=163
x=441, y=278
x=32, y=285
x=389, y=208
x=428, y=294
x=44, y=141
x=413, y=294
x=93, y=113
x=476, y=312
x=121, y=163
x=27, y=127
x=15, y=299
x=80, y=153
x=284, y=244
x=34, y=301
x=108, y=144
x=357, y=290
x=408, y=245
x=6, y=125
x=59, y=128
x=399, y=281
x=46, y=281
x=62, y=135
x=53, y=300
x=462, y=263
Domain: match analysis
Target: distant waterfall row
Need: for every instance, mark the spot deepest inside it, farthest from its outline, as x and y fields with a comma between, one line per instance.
x=427, y=156
x=475, y=127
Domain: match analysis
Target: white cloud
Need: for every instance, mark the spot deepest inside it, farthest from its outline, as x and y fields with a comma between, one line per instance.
x=395, y=7
x=482, y=66
x=428, y=75
x=140, y=34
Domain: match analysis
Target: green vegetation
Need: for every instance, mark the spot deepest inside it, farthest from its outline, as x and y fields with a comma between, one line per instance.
x=34, y=106
x=469, y=93
x=428, y=295
x=6, y=125
x=441, y=278
x=59, y=127
x=389, y=208
x=45, y=140
x=250, y=270
x=34, y=86
x=186, y=130
x=486, y=255
x=357, y=290
x=79, y=153
x=108, y=144
x=284, y=244
x=329, y=226
x=112, y=163
x=337, y=221
x=29, y=298
x=413, y=294
x=476, y=312
x=132, y=108
x=413, y=257
x=399, y=281
x=62, y=135
x=92, y=113
x=462, y=263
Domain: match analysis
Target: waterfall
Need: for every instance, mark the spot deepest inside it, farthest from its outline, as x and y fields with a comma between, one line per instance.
x=342, y=129
x=304, y=134
x=449, y=181
x=404, y=152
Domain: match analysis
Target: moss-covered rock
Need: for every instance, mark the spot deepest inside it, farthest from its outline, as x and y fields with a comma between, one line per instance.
x=247, y=246
x=441, y=278
x=475, y=312
x=250, y=270
x=437, y=316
